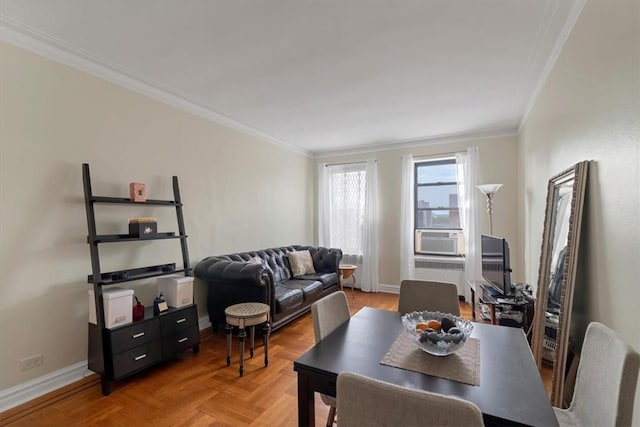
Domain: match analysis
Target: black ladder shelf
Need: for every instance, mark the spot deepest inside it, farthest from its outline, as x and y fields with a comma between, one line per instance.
x=110, y=354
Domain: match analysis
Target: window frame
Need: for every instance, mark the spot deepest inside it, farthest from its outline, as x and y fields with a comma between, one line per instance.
x=417, y=210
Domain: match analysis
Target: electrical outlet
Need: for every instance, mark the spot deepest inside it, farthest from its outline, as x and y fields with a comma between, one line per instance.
x=31, y=361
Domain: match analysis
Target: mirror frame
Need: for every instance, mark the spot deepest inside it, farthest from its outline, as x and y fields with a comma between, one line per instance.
x=579, y=174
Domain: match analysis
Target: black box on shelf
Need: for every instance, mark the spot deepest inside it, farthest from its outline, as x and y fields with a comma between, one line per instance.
x=168, y=267
x=143, y=227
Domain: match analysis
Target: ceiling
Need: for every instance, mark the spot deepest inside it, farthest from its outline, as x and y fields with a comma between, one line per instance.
x=319, y=77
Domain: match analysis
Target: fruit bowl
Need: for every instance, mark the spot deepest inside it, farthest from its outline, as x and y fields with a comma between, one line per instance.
x=437, y=333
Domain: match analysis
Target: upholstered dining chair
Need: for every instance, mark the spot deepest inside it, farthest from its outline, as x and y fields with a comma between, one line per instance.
x=364, y=401
x=418, y=295
x=328, y=313
x=605, y=383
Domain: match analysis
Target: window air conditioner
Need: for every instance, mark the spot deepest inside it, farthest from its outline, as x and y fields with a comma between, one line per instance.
x=438, y=242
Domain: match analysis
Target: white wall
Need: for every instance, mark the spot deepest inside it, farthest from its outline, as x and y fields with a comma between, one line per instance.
x=239, y=193
x=589, y=109
x=498, y=158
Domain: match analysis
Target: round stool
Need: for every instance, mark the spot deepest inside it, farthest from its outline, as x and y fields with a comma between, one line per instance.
x=248, y=314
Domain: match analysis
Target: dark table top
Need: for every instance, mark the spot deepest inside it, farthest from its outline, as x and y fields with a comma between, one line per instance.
x=510, y=386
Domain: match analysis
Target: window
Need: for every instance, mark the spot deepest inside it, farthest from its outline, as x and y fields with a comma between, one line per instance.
x=346, y=187
x=436, y=193
x=348, y=216
x=437, y=216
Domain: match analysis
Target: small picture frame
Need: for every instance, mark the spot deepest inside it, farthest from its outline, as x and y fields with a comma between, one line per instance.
x=137, y=192
x=162, y=307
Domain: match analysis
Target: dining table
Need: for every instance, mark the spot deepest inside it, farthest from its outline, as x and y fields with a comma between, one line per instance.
x=509, y=391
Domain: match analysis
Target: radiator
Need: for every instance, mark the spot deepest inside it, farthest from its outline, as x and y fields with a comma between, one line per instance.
x=439, y=265
x=441, y=271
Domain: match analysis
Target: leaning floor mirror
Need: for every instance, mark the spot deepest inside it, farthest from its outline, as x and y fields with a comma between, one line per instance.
x=556, y=277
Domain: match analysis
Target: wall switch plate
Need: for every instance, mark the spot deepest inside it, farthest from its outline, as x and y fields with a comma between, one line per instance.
x=31, y=362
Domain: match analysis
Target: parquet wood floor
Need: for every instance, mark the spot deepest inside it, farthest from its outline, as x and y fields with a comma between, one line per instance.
x=200, y=390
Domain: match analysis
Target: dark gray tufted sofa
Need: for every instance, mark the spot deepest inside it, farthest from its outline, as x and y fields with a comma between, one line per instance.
x=231, y=279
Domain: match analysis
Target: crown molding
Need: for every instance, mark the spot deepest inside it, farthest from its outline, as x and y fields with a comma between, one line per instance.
x=20, y=35
x=576, y=9
x=528, y=76
x=30, y=39
x=418, y=142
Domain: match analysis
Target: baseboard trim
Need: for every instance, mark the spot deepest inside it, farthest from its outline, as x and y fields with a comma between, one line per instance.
x=390, y=289
x=42, y=389
x=203, y=324
x=21, y=400
x=24, y=409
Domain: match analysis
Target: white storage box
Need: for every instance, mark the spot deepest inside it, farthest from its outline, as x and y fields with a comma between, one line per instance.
x=177, y=290
x=118, y=306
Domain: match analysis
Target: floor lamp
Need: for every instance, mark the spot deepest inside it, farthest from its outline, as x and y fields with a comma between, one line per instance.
x=489, y=190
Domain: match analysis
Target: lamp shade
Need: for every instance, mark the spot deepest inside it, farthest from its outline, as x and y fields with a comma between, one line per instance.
x=489, y=189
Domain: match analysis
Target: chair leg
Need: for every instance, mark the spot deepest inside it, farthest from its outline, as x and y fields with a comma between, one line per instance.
x=332, y=416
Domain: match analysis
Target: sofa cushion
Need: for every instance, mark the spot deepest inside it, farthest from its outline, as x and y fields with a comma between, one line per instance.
x=300, y=263
x=288, y=299
x=310, y=288
x=327, y=279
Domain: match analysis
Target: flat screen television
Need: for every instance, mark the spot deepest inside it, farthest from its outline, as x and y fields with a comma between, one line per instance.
x=496, y=269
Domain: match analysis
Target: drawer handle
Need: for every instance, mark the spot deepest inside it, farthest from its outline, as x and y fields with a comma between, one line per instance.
x=181, y=320
x=183, y=339
x=142, y=356
x=141, y=334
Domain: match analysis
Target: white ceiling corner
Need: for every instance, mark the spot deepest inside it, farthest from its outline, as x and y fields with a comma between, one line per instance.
x=315, y=77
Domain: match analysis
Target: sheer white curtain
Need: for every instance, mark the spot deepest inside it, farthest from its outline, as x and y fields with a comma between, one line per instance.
x=324, y=207
x=467, y=179
x=369, y=273
x=348, y=213
x=407, y=264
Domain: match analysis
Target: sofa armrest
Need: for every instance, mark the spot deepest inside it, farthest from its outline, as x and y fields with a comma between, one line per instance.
x=231, y=282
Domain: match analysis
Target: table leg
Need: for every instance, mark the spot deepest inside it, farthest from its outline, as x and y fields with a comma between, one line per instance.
x=242, y=334
x=353, y=275
x=229, y=329
x=473, y=304
x=253, y=334
x=106, y=386
x=306, y=409
x=265, y=340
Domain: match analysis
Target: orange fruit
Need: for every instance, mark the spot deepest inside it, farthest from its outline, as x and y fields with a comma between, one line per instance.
x=434, y=324
x=421, y=326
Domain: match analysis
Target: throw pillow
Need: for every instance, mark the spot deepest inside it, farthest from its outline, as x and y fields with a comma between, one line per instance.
x=255, y=260
x=301, y=263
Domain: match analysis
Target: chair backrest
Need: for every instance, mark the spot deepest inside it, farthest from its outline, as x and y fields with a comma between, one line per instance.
x=606, y=379
x=419, y=295
x=328, y=313
x=364, y=401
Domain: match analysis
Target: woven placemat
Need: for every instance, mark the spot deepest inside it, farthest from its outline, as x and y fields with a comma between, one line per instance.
x=462, y=366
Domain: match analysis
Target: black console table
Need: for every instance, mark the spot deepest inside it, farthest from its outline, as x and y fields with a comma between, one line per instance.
x=525, y=305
